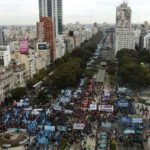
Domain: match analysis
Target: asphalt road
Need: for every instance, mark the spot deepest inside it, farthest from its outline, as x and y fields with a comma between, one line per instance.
x=136, y=147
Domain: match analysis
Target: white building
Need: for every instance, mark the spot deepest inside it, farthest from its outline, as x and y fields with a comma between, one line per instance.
x=32, y=63
x=6, y=81
x=43, y=50
x=88, y=33
x=14, y=46
x=147, y=41
x=40, y=62
x=137, y=34
x=69, y=42
x=60, y=47
x=73, y=36
x=28, y=59
x=77, y=38
x=5, y=56
x=20, y=75
x=124, y=36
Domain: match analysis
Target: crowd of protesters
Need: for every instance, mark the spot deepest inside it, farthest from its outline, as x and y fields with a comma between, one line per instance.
x=69, y=117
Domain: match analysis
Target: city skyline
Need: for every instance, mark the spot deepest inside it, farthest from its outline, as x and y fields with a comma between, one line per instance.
x=89, y=11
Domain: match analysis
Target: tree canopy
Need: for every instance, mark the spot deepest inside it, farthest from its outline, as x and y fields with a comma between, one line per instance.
x=67, y=74
x=130, y=69
x=17, y=93
x=72, y=66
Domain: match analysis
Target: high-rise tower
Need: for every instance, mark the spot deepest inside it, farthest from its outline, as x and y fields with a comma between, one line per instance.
x=124, y=37
x=1, y=37
x=53, y=9
x=45, y=32
x=43, y=8
x=59, y=10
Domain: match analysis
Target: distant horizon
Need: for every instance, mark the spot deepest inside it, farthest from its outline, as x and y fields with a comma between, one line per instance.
x=73, y=23
x=18, y=12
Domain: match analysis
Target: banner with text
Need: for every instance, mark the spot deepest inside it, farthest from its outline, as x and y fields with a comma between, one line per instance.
x=93, y=107
x=78, y=126
x=107, y=108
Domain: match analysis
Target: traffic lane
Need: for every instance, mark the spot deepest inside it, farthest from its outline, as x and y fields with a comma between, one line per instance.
x=135, y=147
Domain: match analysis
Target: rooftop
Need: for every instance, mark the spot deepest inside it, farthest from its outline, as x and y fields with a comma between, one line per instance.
x=124, y=4
x=3, y=48
x=100, y=76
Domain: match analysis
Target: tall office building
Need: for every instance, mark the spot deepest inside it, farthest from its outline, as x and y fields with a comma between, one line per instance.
x=124, y=36
x=43, y=8
x=59, y=7
x=1, y=37
x=53, y=9
x=45, y=29
x=40, y=31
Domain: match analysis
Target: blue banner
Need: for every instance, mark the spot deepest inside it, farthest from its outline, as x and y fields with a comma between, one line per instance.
x=62, y=128
x=123, y=104
x=125, y=120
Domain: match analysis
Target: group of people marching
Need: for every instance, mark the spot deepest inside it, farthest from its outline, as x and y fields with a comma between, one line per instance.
x=69, y=117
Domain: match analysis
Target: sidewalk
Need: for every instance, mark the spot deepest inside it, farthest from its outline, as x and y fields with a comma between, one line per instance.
x=140, y=113
x=17, y=148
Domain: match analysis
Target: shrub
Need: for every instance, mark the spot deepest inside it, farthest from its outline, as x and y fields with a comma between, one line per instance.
x=113, y=145
x=142, y=101
x=63, y=144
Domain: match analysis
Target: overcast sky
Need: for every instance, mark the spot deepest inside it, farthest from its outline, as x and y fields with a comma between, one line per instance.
x=84, y=11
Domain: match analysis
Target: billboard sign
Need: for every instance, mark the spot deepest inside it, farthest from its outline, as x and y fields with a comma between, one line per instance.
x=107, y=108
x=24, y=46
x=41, y=46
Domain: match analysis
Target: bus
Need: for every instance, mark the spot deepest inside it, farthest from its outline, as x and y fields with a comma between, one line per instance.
x=38, y=85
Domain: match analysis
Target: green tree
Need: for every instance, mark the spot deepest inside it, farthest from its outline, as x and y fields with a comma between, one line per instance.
x=127, y=59
x=112, y=80
x=41, y=98
x=72, y=66
x=145, y=59
x=65, y=58
x=133, y=74
x=67, y=74
x=89, y=73
x=17, y=93
x=130, y=70
x=111, y=69
x=143, y=52
x=148, y=78
x=128, y=53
